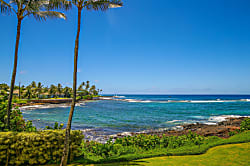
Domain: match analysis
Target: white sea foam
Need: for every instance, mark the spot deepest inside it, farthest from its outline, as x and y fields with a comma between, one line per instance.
x=207, y=101
x=210, y=123
x=46, y=106
x=247, y=100
x=30, y=107
x=131, y=100
x=173, y=121
x=179, y=101
x=87, y=130
x=198, y=117
x=146, y=101
x=106, y=98
x=223, y=118
x=120, y=96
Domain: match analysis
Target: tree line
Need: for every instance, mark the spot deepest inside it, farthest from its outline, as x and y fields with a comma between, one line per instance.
x=39, y=91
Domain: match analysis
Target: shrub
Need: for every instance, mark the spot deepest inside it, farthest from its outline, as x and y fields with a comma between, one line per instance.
x=17, y=123
x=141, y=142
x=245, y=124
x=35, y=148
x=56, y=126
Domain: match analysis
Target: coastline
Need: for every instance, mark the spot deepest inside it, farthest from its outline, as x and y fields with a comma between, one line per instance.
x=51, y=103
x=220, y=125
x=221, y=129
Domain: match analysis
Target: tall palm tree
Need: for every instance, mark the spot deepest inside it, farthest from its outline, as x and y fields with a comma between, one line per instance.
x=22, y=9
x=52, y=90
x=80, y=5
x=28, y=92
x=59, y=89
x=39, y=89
x=67, y=91
x=33, y=84
x=87, y=86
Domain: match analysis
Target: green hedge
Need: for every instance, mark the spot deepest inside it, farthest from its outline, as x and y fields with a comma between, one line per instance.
x=35, y=148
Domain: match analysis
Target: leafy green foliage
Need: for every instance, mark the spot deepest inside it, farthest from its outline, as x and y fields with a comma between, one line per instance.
x=22, y=8
x=17, y=123
x=93, y=152
x=36, y=148
x=245, y=124
x=38, y=91
x=131, y=144
x=56, y=126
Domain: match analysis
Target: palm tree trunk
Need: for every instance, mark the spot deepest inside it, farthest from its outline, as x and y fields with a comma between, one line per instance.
x=68, y=128
x=13, y=73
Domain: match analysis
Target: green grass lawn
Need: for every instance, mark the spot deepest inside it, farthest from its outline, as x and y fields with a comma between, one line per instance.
x=226, y=155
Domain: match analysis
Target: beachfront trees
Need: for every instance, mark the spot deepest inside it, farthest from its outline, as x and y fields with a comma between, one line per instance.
x=42, y=92
x=59, y=89
x=67, y=92
x=28, y=92
x=22, y=9
x=39, y=89
x=52, y=91
x=33, y=84
x=80, y=5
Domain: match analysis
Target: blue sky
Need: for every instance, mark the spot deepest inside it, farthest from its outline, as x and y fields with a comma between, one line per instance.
x=146, y=47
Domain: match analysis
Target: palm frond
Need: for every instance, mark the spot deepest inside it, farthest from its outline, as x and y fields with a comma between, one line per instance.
x=5, y=7
x=43, y=15
x=60, y=4
x=102, y=4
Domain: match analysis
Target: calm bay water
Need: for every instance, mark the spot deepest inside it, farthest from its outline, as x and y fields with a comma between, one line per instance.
x=144, y=112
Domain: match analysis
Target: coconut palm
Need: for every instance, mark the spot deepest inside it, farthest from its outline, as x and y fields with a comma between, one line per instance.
x=80, y=88
x=67, y=92
x=23, y=8
x=33, y=84
x=80, y=5
x=28, y=92
x=59, y=89
x=39, y=89
x=52, y=90
x=87, y=86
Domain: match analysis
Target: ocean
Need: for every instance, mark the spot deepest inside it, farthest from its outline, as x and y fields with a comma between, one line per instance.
x=137, y=113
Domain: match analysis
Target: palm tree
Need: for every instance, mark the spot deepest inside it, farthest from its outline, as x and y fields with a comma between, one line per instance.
x=80, y=5
x=92, y=90
x=80, y=88
x=59, y=89
x=39, y=89
x=67, y=91
x=33, y=84
x=28, y=92
x=52, y=90
x=87, y=85
x=22, y=9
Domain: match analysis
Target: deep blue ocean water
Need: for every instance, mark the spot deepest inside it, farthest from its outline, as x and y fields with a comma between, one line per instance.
x=144, y=112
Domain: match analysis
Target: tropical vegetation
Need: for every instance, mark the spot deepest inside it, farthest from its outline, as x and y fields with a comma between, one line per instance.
x=39, y=91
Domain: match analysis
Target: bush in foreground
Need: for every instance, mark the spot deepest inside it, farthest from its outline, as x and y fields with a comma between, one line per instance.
x=36, y=148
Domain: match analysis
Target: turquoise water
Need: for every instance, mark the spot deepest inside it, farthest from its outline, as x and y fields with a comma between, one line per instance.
x=144, y=112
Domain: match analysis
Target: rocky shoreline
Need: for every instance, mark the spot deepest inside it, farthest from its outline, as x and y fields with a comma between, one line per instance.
x=221, y=129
